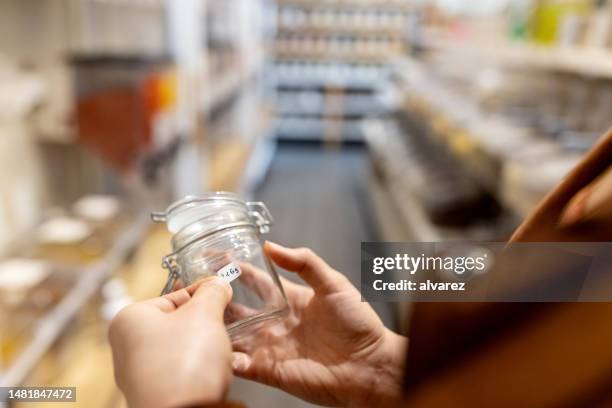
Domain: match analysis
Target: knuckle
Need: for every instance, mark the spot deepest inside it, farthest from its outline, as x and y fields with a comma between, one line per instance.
x=217, y=291
x=306, y=253
x=213, y=291
x=341, y=279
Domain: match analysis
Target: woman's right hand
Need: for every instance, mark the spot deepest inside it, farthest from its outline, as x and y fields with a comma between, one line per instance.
x=332, y=349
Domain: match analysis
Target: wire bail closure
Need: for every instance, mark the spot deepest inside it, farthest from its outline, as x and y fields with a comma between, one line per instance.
x=174, y=271
x=260, y=215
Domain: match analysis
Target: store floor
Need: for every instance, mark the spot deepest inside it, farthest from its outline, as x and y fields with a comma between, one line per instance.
x=319, y=199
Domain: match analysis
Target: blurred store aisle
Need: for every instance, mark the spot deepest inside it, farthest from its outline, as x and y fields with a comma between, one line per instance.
x=319, y=199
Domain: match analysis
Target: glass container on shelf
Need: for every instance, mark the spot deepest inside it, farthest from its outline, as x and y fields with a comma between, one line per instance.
x=28, y=290
x=65, y=240
x=81, y=236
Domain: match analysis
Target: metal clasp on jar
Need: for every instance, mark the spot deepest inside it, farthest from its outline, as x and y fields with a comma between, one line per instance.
x=170, y=263
x=260, y=215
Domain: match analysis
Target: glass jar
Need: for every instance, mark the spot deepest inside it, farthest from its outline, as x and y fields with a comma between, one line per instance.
x=218, y=234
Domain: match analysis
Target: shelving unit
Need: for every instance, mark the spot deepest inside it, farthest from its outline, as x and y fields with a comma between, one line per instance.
x=51, y=326
x=501, y=158
x=224, y=98
x=370, y=5
x=332, y=64
x=216, y=135
x=398, y=188
x=589, y=62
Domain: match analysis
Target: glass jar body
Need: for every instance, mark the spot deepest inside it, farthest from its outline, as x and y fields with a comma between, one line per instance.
x=258, y=294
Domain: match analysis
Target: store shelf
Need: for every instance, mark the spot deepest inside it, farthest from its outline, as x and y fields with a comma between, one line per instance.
x=385, y=145
x=340, y=31
x=307, y=75
x=481, y=162
x=347, y=84
x=316, y=129
x=229, y=83
x=571, y=59
x=332, y=62
x=217, y=52
x=346, y=57
x=134, y=4
x=352, y=5
x=505, y=158
x=340, y=112
x=50, y=327
x=222, y=88
x=319, y=105
x=237, y=164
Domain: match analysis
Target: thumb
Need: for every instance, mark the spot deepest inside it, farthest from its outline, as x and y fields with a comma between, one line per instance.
x=211, y=296
x=242, y=364
x=314, y=270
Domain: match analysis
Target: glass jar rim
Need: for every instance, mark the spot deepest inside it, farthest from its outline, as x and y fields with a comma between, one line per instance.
x=191, y=200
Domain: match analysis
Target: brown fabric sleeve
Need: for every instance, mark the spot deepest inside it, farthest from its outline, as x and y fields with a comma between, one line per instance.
x=542, y=225
x=525, y=359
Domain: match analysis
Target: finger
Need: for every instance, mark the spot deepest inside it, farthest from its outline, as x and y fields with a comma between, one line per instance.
x=210, y=296
x=263, y=284
x=257, y=368
x=171, y=301
x=293, y=289
x=178, y=285
x=251, y=344
x=242, y=364
x=192, y=289
x=178, y=297
x=257, y=280
x=593, y=202
x=315, y=272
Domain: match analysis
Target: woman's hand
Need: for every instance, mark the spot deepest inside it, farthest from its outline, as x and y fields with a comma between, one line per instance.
x=332, y=349
x=173, y=350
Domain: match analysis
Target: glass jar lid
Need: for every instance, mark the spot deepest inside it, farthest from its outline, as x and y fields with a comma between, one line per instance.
x=193, y=218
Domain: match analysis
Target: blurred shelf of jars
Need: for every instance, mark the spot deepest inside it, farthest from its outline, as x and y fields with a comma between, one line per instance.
x=490, y=114
x=332, y=65
x=113, y=108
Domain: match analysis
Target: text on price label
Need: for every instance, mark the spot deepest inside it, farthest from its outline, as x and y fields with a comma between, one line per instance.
x=229, y=272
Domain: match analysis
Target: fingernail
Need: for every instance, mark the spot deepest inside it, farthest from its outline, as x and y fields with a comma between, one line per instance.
x=222, y=282
x=240, y=362
x=574, y=211
x=213, y=280
x=274, y=245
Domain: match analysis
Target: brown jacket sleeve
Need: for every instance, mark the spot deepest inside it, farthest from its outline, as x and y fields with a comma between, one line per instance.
x=519, y=354
x=542, y=225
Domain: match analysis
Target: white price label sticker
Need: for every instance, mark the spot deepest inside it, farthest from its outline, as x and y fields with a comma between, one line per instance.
x=229, y=272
